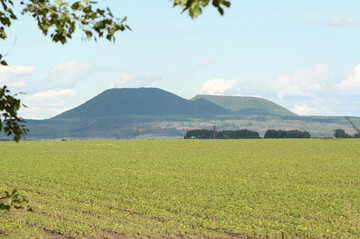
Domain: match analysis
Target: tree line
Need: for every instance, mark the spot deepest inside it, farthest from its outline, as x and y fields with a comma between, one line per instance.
x=290, y=134
x=225, y=134
x=340, y=133
x=244, y=134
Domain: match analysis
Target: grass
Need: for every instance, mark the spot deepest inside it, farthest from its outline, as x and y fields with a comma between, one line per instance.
x=184, y=188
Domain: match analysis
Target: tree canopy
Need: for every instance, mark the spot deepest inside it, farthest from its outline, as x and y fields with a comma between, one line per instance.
x=280, y=134
x=340, y=133
x=60, y=19
x=225, y=134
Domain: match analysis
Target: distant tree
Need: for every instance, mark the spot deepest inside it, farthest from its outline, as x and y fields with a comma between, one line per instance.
x=60, y=19
x=275, y=134
x=225, y=134
x=297, y=134
x=340, y=133
x=199, y=134
x=279, y=134
x=238, y=134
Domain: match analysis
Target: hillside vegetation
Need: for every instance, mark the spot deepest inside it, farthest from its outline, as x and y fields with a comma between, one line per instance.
x=141, y=101
x=247, y=105
x=129, y=113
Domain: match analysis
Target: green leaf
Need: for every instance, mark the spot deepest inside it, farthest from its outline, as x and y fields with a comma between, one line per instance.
x=58, y=2
x=4, y=207
x=195, y=10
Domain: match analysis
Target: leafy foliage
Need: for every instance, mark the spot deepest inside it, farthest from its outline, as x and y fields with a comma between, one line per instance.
x=340, y=133
x=195, y=7
x=277, y=134
x=64, y=17
x=14, y=200
x=225, y=134
x=199, y=134
x=297, y=134
x=9, y=120
x=238, y=134
x=61, y=19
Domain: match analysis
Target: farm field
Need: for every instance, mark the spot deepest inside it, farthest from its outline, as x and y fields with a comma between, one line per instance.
x=266, y=188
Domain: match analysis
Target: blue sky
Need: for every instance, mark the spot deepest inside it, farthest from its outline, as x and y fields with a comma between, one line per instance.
x=303, y=55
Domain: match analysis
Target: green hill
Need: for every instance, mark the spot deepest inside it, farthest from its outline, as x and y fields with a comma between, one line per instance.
x=247, y=105
x=154, y=113
x=141, y=101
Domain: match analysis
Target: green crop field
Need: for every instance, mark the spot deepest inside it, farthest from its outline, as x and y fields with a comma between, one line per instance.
x=183, y=188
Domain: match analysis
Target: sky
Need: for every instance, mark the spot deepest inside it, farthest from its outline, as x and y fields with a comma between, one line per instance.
x=302, y=55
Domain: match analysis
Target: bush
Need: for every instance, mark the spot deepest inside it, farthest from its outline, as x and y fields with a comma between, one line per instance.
x=238, y=134
x=280, y=134
x=199, y=134
x=340, y=133
x=225, y=134
x=275, y=134
x=297, y=134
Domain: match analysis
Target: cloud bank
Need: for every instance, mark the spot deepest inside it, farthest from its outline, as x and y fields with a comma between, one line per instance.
x=301, y=82
x=15, y=76
x=216, y=86
x=344, y=21
x=135, y=79
x=66, y=75
x=352, y=82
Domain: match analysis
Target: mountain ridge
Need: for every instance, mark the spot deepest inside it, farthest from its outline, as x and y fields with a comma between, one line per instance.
x=247, y=105
x=155, y=101
x=140, y=113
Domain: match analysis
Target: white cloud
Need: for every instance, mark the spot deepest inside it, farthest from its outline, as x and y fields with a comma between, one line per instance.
x=301, y=82
x=216, y=86
x=13, y=76
x=202, y=63
x=253, y=14
x=50, y=95
x=352, y=81
x=42, y=112
x=15, y=70
x=47, y=104
x=206, y=62
x=66, y=75
x=135, y=79
x=313, y=20
x=19, y=84
x=302, y=109
x=342, y=22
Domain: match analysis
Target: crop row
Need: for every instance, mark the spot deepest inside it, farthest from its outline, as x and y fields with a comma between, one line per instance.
x=171, y=188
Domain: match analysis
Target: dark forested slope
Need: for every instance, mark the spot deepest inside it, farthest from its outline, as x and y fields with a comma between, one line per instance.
x=141, y=101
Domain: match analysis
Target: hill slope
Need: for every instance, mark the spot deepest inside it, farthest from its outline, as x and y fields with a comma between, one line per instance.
x=140, y=101
x=154, y=113
x=247, y=105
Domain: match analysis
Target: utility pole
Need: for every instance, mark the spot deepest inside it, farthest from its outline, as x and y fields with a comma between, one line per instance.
x=214, y=133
